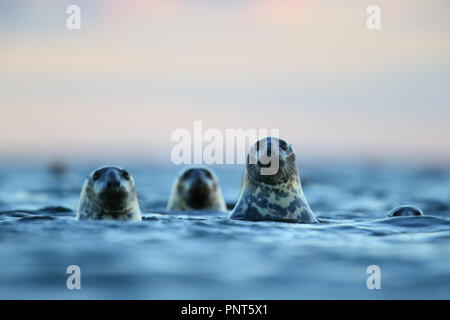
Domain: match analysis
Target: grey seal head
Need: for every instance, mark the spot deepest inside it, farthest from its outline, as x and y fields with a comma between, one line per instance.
x=272, y=189
x=196, y=188
x=404, y=211
x=109, y=193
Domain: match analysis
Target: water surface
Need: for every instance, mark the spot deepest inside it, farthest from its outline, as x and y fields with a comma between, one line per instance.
x=202, y=255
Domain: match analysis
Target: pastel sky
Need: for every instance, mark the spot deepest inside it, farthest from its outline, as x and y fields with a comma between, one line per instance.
x=138, y=70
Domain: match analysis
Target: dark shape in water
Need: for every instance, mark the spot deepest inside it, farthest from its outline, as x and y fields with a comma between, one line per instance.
x=405, y=211
x=34, y=218
x=45, y=210
x=57, y=167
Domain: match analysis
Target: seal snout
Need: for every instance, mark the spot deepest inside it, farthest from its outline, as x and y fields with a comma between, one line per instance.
x=267, y=160
x=198, y=182
x=112, y=182
x=199, y=189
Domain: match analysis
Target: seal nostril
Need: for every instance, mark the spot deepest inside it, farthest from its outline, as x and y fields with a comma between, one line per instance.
x=113, y=184
x=199, y=183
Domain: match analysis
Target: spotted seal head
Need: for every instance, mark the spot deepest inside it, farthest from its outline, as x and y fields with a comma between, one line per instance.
x=404, y=211
x=196, y=188
x=274, y=194
x=109, y=193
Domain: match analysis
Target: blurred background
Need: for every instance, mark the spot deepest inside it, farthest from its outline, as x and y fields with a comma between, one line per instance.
x=137, y=70
x=367, y=111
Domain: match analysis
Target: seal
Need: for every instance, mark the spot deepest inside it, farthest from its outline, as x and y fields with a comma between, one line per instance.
x=109, y=193
x=404, y=211
x=274, y=195
x=196, y=188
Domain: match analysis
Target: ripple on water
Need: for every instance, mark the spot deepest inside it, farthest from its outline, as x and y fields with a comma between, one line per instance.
x=195, y=255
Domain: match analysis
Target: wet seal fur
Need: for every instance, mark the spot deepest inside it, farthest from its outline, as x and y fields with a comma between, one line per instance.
x=109, y=193
x=276, y=197
x=405, y=211
x=196, y=188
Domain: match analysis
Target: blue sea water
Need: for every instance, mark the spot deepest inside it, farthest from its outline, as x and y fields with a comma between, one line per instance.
x=202, y=255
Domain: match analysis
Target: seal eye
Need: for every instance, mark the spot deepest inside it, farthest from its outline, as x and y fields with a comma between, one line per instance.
x=96, y=175
x=284, y=146
x=187, y=174
x=126, y=175
x=208, y=174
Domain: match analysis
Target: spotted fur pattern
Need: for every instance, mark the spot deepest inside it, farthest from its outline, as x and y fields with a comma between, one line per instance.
x=284, y=202
x=278, y=197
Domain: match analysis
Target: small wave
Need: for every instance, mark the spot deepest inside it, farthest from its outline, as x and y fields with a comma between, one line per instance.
x=53, y=210
x=35, y=218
